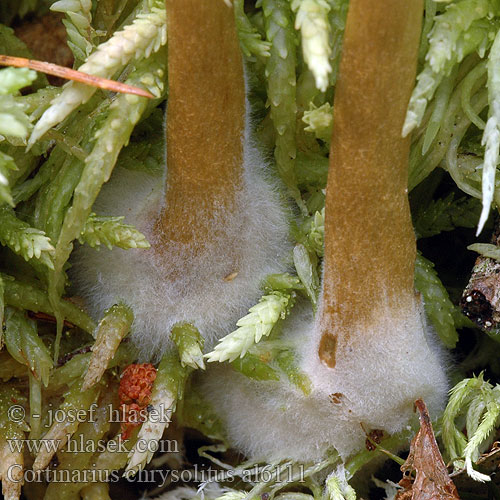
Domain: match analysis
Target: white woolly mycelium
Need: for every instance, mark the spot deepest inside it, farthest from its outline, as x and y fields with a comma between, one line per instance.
x=182, y=284
x=373, y=387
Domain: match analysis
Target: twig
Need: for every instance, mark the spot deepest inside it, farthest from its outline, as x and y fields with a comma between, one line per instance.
x=72, y=74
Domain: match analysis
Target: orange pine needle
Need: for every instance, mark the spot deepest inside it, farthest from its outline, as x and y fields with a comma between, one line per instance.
x=72, y=74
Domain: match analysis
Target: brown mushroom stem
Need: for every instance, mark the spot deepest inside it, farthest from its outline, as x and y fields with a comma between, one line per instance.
x=205, y=119
x=369, y=240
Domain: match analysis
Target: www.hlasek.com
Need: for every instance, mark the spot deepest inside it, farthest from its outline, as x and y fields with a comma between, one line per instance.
x=280, y=474
x=81, y=445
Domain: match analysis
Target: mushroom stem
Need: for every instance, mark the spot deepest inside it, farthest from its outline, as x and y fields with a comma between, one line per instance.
x=369, y=240
x=205, y=121
x=367, y=355
x=217, y=226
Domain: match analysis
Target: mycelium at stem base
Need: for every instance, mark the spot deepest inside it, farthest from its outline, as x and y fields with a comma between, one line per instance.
x=368, y=352
x=216, y=224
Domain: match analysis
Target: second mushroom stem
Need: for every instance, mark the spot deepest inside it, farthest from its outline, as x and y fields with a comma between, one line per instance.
x=369, y=240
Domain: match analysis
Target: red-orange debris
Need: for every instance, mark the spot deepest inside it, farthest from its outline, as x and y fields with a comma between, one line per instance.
x=134, y=392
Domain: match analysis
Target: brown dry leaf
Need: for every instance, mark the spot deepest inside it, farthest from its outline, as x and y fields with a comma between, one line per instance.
x=432, y=481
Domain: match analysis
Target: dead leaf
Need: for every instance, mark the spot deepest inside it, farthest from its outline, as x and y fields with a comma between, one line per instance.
x=432, y=481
